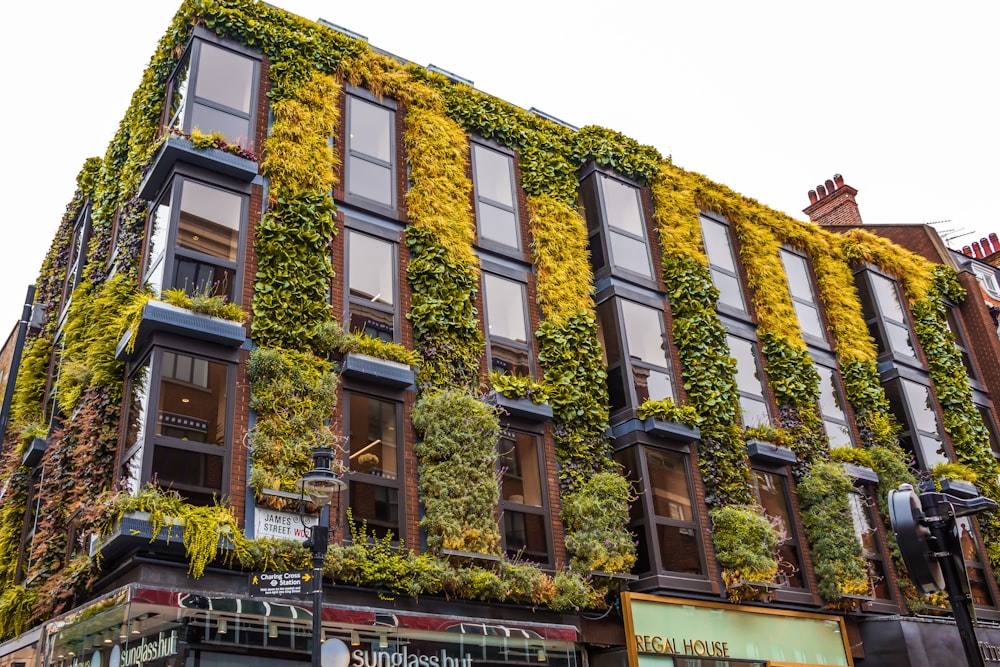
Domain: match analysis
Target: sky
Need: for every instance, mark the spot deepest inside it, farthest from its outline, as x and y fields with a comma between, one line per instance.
x=771, y=97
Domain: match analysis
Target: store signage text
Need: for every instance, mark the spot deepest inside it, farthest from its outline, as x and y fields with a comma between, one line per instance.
x=990, y=652
x=687, y=646
x=162, y=646
x=281, y=525
x=362, y=658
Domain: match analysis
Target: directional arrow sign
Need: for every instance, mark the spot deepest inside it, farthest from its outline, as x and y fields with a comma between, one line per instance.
x=281, y=584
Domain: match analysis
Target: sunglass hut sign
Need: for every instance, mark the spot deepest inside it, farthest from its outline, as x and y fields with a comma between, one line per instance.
x=148, y=650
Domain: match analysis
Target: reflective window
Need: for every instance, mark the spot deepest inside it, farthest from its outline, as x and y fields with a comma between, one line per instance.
x=961, y=344
x=912, y=405
x=647, y=351
x=373, y=463
x=496, y=211
x=883, y=311
x=614, y=209
x=831, y=406
x=209, y=221
x=676, y=532
x=370, y=151
x=749, y=382
x=506, y=324
x=978, y=587
x=223, y=93
x=522, y=497
x=800, y=286
x=772, y=492
x=371, y=279
x=864, y=528
x=722, y=264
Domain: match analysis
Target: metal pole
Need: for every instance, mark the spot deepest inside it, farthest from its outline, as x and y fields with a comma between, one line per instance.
x=319, y=537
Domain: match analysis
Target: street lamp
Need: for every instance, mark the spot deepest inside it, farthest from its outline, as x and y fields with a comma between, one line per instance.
x=321, y=485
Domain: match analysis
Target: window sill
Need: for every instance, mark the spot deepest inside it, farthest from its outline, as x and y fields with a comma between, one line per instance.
x=379, y=371
x=472, y=556
x=33, y=455
x=860, y=473
x=521, y=408
x=178, y=149
x=660, y=428
x=766, y=452
x=161, y=317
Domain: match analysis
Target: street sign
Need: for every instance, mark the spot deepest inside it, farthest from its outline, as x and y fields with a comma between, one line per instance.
x=282, y=584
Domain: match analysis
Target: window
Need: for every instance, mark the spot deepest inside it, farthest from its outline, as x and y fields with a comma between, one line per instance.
x=961, y=344
x=864, y=528
x=223, y=84
x=987, y=277
x=883, y=311
x=831, y=406
x=617, y=227
x=647, y=374
x=749, y=381
x=507, y=325
x=913, y=406
x=185, y=446
x=194, y=239
x=371, y=152
x=800, y=286
x=772, y=492
x=991, y=428
x=371, y=279
x=722, y=264
x=524, y=523
x=373, y=463
x=979, y=589
x=496, y=202
x=664, y=518
x=78, y=250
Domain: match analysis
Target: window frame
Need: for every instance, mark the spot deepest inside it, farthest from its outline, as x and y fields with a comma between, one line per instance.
x=844, y=420
x=355, y=226
x=743, y=311
x=191, y=60
x=794, y=539
x=511, y=431
x=519, y=278
x=895, y=384
x=763, y=398
x=880, y=324
x=864, y=496
x=599, y=227
x=808, y=301
x=361, y=201
x=478, y=199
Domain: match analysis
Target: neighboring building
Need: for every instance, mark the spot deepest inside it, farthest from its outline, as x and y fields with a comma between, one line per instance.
x=589, y=408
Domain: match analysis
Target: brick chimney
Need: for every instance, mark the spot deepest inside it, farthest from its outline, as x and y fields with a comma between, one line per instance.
x=833, y=204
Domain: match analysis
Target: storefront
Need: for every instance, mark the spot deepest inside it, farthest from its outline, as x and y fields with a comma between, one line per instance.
x=146, y=627
x=674, y=632
x=898, y=641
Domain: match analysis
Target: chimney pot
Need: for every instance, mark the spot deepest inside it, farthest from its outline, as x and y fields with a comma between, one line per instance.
x=984, y=243
x=977, y=251
x=821, y=191
x=967, y=251
x=829, y=186
x=995, y=241
x=812, y=197
x=838, y=180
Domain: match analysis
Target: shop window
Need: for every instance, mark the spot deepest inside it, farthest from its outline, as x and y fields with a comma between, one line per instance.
x=632, y=331
x=371, y=279
x=213, y=90
x=773, y=495
x=193, y=241
x=371, y=153
x=496, y=200
x=524, y=515
x=831, y=406
x=800, y=286
x=664, y=518
x=749, y=381
x=617, y=227
x=723, y=265
x=913, y=406
x=185, y=446
x=979, y=589
x=373, y=463
x=887, y=321
x=863, y=517
x=507, y=325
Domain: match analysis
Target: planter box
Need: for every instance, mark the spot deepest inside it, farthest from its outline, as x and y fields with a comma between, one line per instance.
x=379, y=371
x=959, y=488
x=522, y=408
x=33, y=456
x=861, y=473
x=661, y=428
x=766, y=452
x=161, y=317
x=179, y=149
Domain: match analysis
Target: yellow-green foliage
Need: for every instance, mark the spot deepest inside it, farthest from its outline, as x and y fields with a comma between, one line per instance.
x=26, y=407
x=912, y=270
x=676, y=213
x=299, y=156
x=561, y=257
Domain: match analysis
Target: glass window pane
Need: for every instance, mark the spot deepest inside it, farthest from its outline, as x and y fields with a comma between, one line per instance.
x=225, y=77
x=644, y=333
x=525, y=536
x=210, y=220
x=630, y=254
x=493, y=175
x=748, y=381
x=521, y=481
x=652, y=385
x=679, y=550
x=730, y=291
x=834, y=420
x=178, y=95
x=887, y=298
x=192, y=405
x=797, y=273
x=505, y=311
x=159, y=225
x=371, y=268
x=717, y=245
x=203, y=278
x=497, y=224
x=809, y=319
x=773, y=495
x=622, y=207
x=370, y=129
x=373, y=447
x=376, y=505
x=668, y=489
x=369, y=180
x=208, y=119
x=180, y=466
x=899, y=340
x=924, y=420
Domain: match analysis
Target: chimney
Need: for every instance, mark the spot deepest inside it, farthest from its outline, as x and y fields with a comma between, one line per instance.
x=832, y=203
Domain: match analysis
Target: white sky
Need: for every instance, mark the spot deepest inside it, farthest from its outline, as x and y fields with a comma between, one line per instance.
x=770, y=98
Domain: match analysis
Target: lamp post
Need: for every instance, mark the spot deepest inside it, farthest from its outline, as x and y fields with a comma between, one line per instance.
x=321, y=484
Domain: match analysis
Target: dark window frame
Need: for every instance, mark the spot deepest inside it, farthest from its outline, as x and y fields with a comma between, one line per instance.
x=764, y=396
x=794, y=538
x=864, y=494
x=880, y=324
x=519, y=277
x=373, y=205
x=354, y=226
x=742, y=313
x=510, y=431
x=911, y=435
x=812, y=302
x=487, y=243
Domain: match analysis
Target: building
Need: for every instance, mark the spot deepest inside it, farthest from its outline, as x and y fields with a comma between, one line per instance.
x=590, y=408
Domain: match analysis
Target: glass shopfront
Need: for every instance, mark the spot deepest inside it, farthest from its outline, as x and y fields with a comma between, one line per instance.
x=673, y=632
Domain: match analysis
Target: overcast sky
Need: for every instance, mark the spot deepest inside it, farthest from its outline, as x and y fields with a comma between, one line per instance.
x=770, y=98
